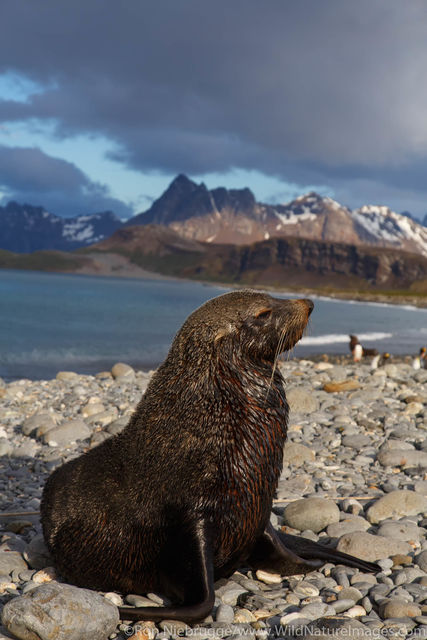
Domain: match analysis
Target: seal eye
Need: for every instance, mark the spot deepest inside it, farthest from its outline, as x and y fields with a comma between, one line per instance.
x=264, y=313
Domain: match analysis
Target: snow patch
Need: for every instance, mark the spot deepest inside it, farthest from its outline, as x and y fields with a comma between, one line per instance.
x=294, y=218
x=78, y=230
x=385, y=224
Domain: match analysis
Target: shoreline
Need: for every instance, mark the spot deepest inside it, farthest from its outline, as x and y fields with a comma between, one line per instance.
x=335, y=359
x=123, y=269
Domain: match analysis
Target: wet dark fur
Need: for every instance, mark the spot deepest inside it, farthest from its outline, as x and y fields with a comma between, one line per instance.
x=183, y=495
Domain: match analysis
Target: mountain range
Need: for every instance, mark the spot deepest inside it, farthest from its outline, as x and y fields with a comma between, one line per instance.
x=233, y=216
x=218, y=216
x=25, y=228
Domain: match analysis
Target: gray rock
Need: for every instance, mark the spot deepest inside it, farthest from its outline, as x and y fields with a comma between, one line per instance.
x=368, y=547
x=305, y=589
x=224, y=613
x=231, y=596
x=356, y=442
x=421, y=560
x=316, y=609
x=397, y=504
x=12, y=542
x=398, y=608
x=118, y=425
x=140, y=601
x=5, y=447
x=391, y=445
x=295, y=455
x=407, y=575
x=11, y=560
x=350, y=593
x=342, y=605
x=25, y=450
x=403, y=458
x=301, y=400
x=338, y=373
x=421, y=376
x=37, y=554
x=103, y=418
x=42, y=419
x=67, y=433
x=121, y=370
x=311, y=513
x=56, y=611
x=347, y=525
x=391, y=370
x=67, y=376
x=399, y=530
x=337, y=626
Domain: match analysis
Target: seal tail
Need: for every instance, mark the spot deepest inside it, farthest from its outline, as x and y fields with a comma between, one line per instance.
x=309, y=550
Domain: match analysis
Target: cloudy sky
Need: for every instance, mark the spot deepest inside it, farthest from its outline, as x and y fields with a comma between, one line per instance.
x=102, y=103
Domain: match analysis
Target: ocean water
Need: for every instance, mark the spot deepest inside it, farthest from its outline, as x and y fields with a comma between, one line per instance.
x=52, y=322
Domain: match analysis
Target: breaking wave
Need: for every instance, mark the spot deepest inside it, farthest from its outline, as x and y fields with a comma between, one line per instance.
x=333, y=338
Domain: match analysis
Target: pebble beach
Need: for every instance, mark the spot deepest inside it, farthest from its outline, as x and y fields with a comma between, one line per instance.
x=354, y=478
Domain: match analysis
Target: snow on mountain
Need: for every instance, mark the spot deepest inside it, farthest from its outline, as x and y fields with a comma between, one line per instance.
x=391, y=228
x=25, y=228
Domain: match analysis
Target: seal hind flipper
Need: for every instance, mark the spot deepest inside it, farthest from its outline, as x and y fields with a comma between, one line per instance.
x=199, y=603
x=271, y=554
x=289, y=555
x=309, y=550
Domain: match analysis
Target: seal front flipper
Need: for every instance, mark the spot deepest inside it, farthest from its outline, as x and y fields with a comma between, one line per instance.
x=290, y=555
x=199, y=598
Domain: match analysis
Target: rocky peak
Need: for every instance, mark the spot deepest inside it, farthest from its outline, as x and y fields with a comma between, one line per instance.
x=234, y=199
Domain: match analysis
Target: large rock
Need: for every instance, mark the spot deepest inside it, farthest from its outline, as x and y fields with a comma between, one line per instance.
x=301, y=400
x=122, y=370
x=403, y=458
x=11, y=560
x=400, y=531
x=398, y=608
x=42, y=420
x=397, y=504
x=67, y=433
x=311, y=513
x=296, y=454
x=56, y=611
x=67, y=376
x=368, y=547
x=347, y=525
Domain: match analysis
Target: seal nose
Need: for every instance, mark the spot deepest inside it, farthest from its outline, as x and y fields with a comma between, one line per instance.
x=309, y=304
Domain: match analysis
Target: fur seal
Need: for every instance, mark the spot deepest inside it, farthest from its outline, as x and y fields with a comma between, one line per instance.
x=183, y=495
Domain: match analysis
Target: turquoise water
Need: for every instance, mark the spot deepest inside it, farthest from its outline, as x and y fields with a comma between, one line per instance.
x=52, y=322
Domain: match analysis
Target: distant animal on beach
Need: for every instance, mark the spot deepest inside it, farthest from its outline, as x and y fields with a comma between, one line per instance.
x=183, y=495
x=420, y=361
x=380, y=360
x=358, y=352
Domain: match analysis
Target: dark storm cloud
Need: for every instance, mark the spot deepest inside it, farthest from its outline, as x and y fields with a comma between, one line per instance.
x=314, y=92
x=29, y=175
